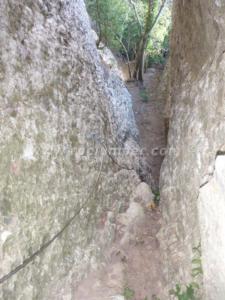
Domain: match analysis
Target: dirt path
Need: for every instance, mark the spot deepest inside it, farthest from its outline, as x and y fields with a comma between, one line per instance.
x=132, y=268
x=148, y=110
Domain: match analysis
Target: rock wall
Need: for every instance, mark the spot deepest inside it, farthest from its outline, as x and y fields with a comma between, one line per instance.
x=212, y=226
x=196, y=136
x=68, y=151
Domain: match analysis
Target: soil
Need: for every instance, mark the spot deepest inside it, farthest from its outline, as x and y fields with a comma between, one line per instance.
x=149, y=114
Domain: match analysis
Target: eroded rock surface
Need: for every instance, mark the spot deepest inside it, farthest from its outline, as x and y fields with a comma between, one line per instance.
x=197, y=131
x=62, y=117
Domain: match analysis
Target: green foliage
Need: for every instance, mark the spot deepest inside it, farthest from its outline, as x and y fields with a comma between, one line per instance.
x=132, y=30
x=154, y=297
x=187, y=294
x=144, y=95
x=156, y=197
x=121, y=23
x=197, y=262
x=110, y=17
x=158, y=44
x=128, y=293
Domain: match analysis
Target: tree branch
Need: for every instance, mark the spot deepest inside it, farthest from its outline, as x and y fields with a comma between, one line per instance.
x=136, y=15
x=158, y=14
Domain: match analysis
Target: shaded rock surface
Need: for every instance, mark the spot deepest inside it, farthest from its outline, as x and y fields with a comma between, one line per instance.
x=196, y=135
x=211, y=216
x=62, y=118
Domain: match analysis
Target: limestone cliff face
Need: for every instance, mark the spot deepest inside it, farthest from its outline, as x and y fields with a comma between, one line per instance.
x=62, y=118
x=196, y=137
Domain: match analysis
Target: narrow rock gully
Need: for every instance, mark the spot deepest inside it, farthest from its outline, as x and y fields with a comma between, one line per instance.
x=131, y=268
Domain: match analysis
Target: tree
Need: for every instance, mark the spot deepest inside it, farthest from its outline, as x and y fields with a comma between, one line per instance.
x=152, y=16
x=125, y=26
x=109, y=17
x=158, y=46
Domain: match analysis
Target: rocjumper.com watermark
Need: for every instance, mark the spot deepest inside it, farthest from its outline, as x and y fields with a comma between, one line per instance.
x=99, y=152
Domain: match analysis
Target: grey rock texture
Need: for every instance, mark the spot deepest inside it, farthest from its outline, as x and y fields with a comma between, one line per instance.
x=68, y=149
x=197, y=131
x=212, y=225
x=143, y=193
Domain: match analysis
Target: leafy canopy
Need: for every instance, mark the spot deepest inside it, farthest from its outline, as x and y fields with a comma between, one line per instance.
x=120, y=24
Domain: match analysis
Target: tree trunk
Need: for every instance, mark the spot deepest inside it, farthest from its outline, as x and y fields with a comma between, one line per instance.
x=98, y=42
x=139, y=65
x=126, y=53
x=149, y=24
